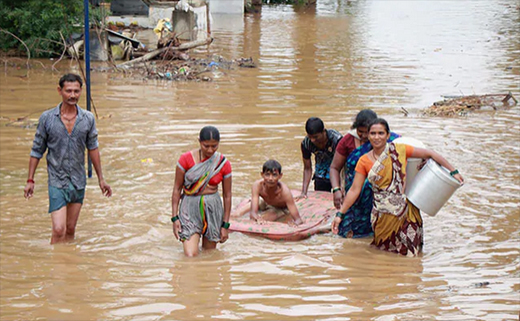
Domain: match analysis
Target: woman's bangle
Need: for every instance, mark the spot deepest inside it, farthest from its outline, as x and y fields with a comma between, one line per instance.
x=30, y=180
x=455, y=172
x=226, y=225
x=335, y=189
x=340, y=215
x=175, y=218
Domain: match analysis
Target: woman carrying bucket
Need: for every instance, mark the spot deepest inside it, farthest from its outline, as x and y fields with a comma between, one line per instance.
x=396, y=222
x=356, y=222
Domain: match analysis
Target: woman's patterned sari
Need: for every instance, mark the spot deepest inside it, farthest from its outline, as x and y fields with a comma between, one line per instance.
x=396, y=222
x=197, y=178
x=202, y=214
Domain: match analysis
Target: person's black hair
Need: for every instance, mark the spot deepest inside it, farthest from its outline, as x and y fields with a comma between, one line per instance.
x=379, y=121
x=314, y=125
x=70, y=78
x=209, y=133
x=272, y=166
x=363, y=118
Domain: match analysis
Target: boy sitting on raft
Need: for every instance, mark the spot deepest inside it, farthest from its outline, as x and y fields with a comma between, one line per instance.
x=272, y=197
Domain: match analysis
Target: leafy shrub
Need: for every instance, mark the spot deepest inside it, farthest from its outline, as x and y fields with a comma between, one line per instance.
x=39, y=23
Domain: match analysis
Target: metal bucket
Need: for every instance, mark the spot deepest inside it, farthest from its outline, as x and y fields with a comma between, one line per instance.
x=411, y=172
x=432, y=188
x=413, y=163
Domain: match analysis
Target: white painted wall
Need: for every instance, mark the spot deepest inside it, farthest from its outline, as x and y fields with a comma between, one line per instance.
x=226, y=6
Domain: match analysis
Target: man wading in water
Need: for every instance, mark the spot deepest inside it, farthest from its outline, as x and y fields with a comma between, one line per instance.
x=65, y=131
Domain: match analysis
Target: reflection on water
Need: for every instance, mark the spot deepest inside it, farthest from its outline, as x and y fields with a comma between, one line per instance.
x=330, y=61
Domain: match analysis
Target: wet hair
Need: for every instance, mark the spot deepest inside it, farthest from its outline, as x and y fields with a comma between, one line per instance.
x=314, y=125
x=272, y=166
x=379, y=121
x=70, y=78
x=209, y=133
x=363, y=118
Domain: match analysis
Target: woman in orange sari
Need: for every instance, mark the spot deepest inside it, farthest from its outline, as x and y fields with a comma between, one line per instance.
x=396, y=222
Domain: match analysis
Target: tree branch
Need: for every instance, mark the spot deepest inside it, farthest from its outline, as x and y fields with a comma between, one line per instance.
x=23, y=43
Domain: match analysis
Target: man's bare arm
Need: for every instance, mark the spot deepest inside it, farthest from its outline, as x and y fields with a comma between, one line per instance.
x=96, y=161
x=307, y=175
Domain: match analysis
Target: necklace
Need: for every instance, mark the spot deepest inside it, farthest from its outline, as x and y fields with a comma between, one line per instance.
x=200, y=155
x=68, y=119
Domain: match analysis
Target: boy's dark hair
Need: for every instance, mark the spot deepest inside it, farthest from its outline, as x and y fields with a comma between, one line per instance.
x=272, y=166
x=363, y=118
x=209, y=133
x=70, y=78
x=379, y=121
x=314, y=125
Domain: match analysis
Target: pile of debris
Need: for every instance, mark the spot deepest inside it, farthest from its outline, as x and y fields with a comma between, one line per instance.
x=461, y=105
x=171, y=61
x=192, y=69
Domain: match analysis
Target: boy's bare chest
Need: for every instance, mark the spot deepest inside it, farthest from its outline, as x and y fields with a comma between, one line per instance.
x=273, y=198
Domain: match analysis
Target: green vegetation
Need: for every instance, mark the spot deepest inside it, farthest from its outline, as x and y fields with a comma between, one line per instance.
x=39, y=24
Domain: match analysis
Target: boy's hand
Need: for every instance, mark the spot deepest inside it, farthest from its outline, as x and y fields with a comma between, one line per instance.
x=296, y=222
x=260, y=221
x=257, y=219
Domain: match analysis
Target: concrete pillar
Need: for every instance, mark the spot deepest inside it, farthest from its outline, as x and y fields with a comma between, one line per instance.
x=190, y=23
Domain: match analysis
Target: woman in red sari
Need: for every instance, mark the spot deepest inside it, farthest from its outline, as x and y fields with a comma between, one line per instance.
x=201, y=213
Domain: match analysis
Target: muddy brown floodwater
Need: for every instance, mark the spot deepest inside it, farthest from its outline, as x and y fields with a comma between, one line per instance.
x=330, y=60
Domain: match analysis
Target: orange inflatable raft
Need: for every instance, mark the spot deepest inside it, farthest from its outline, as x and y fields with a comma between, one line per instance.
x=316, y=210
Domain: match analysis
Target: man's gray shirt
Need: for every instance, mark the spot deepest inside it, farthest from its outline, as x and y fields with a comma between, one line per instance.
x=66, y=152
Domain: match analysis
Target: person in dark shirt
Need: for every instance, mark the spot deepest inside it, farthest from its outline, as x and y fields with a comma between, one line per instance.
x=322, y=143
x=65, y=132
